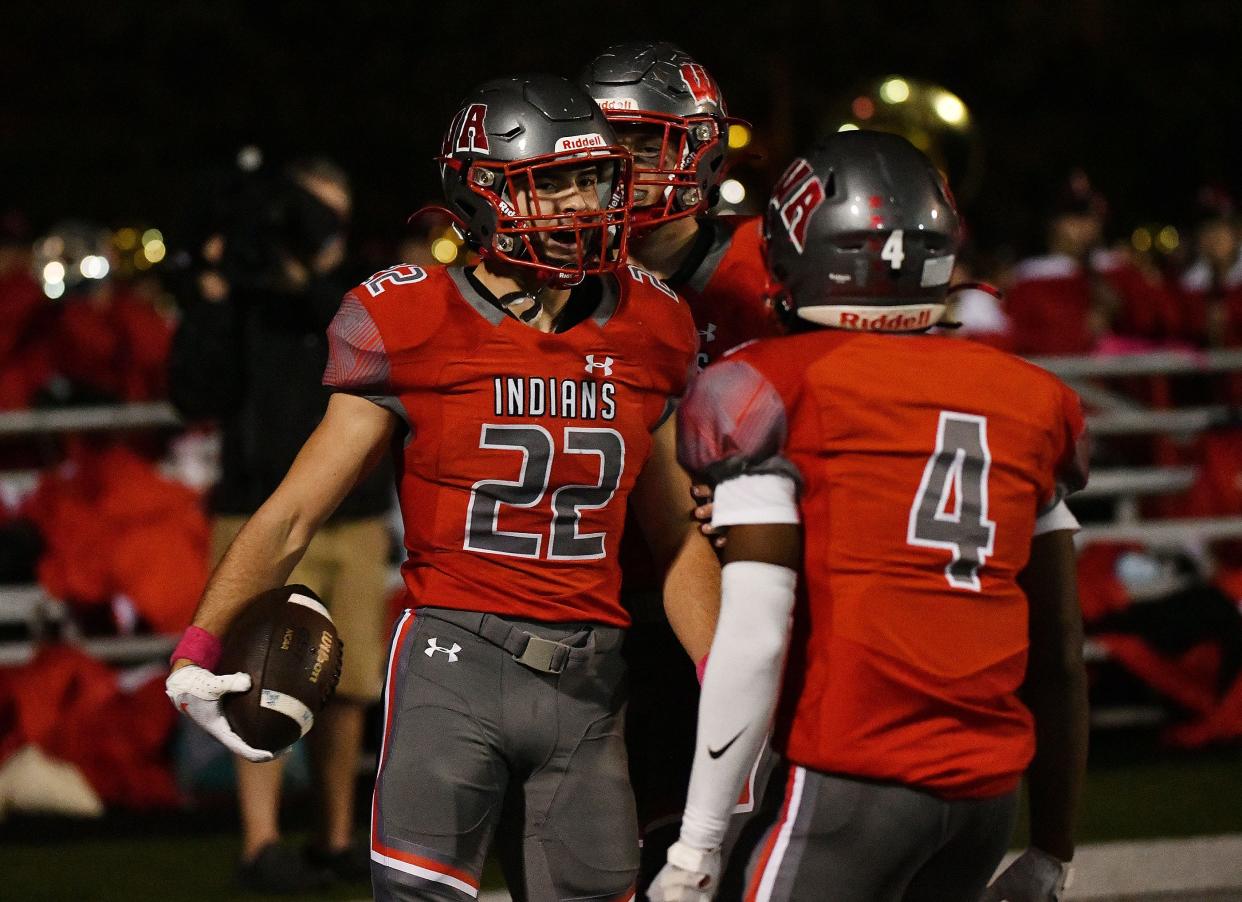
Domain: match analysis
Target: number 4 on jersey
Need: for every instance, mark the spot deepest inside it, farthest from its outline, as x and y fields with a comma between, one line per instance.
x=950, y=510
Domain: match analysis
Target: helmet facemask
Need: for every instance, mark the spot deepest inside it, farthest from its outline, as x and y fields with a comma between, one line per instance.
x=682, y=177
x=565, y=214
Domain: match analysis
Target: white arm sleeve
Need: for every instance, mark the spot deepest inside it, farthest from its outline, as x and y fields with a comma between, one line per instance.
x=1059, y=516
x=755, y=498
x=739, y=693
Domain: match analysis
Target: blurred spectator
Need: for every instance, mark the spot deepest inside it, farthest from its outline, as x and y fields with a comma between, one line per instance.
x=1080, y=293
x=147, y=537
x=250, y=352
x=25, y=352
x=1212, y=283
x=111, y=344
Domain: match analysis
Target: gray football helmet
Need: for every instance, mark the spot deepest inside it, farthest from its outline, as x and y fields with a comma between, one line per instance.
x=533, y=171
x=861, y=233
x=660, y=87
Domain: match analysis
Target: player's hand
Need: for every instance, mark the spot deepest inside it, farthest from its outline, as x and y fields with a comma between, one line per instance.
x=691, y=875
x=702, y=495
x=196, y=691
x=1034, y=876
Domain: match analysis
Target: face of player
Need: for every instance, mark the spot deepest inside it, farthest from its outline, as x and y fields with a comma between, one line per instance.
x=560, y=190
x=646, y=144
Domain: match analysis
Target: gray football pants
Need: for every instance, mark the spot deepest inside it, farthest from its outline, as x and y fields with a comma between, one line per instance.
x=479, y=746
x=849, y=840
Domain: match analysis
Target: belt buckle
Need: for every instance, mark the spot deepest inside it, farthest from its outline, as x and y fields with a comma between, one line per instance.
x=540, y=655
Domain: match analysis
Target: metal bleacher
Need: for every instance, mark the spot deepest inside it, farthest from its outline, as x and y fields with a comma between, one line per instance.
x=1113, y=414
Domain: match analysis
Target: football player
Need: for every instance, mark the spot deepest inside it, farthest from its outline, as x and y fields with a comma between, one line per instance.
x=668, y=110
x=530, y=398
x=899, y=538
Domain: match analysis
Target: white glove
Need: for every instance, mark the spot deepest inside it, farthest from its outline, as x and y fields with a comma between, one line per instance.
x=691, y=875
x=1034, y=876
x=197, y=691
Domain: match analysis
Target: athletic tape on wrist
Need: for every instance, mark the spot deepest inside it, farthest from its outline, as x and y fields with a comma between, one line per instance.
x=199, y=646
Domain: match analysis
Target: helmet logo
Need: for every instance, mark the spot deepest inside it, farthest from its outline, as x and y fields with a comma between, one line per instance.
x=468, y=131
x=579, y=142
x=702, y=88
x=797, y=196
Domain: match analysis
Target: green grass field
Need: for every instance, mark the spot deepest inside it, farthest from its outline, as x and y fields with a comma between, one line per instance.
x=1134, y=791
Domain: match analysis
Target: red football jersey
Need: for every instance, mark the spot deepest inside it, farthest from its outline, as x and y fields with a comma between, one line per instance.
x=726, y=294
x=522, y=446
x=924, y=462
x=727, y=290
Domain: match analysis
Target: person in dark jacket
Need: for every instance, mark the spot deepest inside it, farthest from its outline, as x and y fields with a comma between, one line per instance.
x=249, y=353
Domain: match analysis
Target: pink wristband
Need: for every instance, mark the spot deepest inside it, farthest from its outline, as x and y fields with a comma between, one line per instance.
x=199, y=646
x=701, y=667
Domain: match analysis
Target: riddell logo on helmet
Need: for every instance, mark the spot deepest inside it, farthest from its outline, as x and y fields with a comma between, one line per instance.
x=579, y=142
x=611, y=104
x=885, y=322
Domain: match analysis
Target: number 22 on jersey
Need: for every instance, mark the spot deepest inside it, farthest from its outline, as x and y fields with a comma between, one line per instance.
x=950, y=509
x=538, y=448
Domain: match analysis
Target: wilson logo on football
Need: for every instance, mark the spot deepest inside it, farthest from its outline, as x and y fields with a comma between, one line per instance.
x=468, y=131
x=797, y=196
x=702, y=88
x=592, y=364
x=579, y=142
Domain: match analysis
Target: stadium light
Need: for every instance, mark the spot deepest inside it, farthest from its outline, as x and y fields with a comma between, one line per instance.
x=54, y=272
x=739, y=136
x=444, y=250
x=733, y=191
x=154, y=250
x=950, y=108
x=895, y=90
x=848, y=127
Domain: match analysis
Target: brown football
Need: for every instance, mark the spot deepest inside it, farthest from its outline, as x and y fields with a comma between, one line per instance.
x=287, y=642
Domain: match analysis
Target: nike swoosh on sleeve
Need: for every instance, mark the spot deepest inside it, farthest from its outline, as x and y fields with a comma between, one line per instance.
x=716, y=753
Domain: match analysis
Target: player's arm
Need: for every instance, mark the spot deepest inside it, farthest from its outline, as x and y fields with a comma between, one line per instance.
x=732, y=432
x=743, y=677
x=1056, y=692
x=348, y=442
x=350, y=439
x=664, y=509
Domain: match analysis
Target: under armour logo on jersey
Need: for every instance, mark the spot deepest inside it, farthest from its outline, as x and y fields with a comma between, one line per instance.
x=605, y=365
x=433, y=646
x=708, y=334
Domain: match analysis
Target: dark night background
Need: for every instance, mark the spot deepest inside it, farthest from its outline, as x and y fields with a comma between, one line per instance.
x=112, y=111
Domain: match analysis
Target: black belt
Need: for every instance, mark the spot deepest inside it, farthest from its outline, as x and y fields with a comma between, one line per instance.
x=535, y=652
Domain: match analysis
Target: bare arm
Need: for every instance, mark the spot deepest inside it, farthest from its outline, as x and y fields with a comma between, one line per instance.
x=664, y=507
x=1056, y=692
x=350, y=439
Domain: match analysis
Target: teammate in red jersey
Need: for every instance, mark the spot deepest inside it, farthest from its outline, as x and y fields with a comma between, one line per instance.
x=898, y=525
x=531, y=396
x=670, y=113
